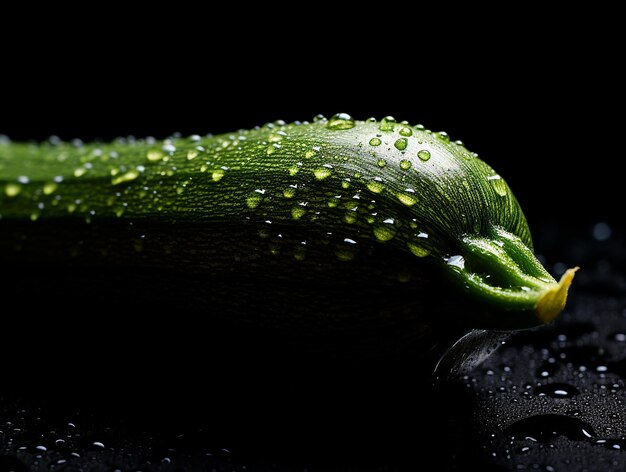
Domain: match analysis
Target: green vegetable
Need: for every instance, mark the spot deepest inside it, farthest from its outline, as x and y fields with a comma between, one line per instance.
x=331, y=225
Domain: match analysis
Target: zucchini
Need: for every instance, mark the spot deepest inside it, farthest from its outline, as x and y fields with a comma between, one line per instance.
x=334, y=226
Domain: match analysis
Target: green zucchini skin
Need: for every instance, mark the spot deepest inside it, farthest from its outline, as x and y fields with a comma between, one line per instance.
x=334, y=226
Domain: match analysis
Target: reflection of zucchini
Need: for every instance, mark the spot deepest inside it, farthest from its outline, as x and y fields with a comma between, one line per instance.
x=333, y=224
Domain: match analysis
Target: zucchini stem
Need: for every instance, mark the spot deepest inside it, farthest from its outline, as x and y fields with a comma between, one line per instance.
x=501, y=271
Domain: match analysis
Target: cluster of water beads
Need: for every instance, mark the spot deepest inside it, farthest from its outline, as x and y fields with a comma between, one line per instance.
x=32, y=441
x=166, y=157
x=547, y=413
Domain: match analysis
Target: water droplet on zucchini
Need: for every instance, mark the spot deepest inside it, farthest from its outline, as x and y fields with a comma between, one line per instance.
x=387, y=124
x=217, y=175
x=297, y=212
x=255, y=198
x=386, y=231
x=417, y=250
x=289, y=192
x=125, y=177
x=499, y=185
x=408, y=198
x=49, y=188
x=443, y=136
x=323, y=172
x=401, y=144
x=376, y=185
x=350, y=217
x=340, y=121
x=294, y=169
x=12, y=190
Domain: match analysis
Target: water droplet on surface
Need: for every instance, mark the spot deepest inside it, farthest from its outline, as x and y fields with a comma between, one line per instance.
x=618, y=337
x=217, y=175
x=12, y=190
x=154, y=156
x=614, y=444
x=275, y=137
x=49, y=188
x=401, y=144
x=192, y=154
x=340, y=121
x=272, y=148
x=601, y=231
x=499, y=185
x=255, y=198
x=289, y=192
x=350, y=217
x=119, y=211
x=376, y=185
x=375, y=142
x=381, y=163
x=322, y=173
x=423, y=154
x=388, y=123
x=297, y=212
x=405, y=164
x=385, y=232
x=417, y=250
x=125, y=177
x=556, y=390
x=406, y=131
x=407, y=198
x=443, y=136
x=80, y=171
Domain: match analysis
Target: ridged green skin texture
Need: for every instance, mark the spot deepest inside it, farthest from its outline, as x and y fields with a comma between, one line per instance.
x=330, y=224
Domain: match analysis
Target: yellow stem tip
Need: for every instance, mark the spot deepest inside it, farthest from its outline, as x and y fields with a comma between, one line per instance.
x=552, y=300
